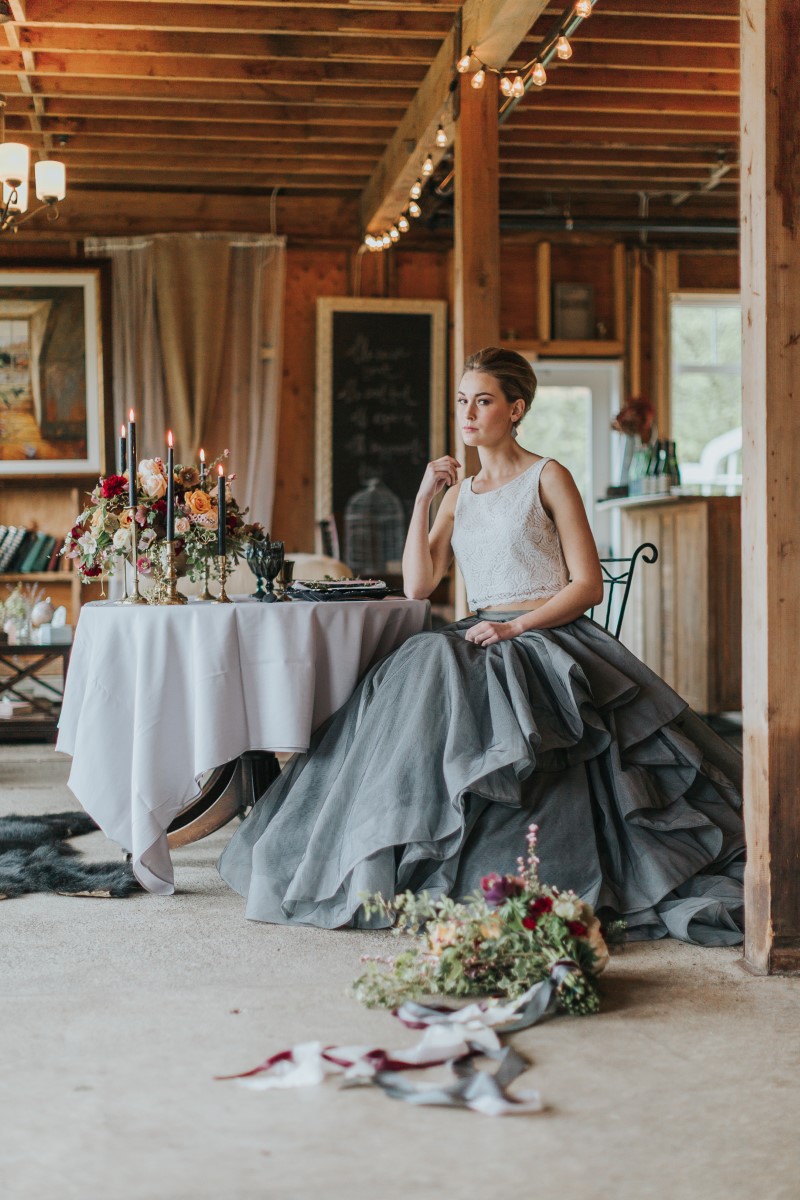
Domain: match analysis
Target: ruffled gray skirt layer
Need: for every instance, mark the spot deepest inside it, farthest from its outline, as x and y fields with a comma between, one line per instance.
x=430, y=775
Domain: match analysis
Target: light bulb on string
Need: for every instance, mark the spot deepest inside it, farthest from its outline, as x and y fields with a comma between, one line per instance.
x=416, y=190
x=403, y=225
x=427, y=166
x=583, y=9
x=386, y=241
x=463, y=64
x=518, y=88
x=414, y=209
x=506, y=85
x=441, y=137
x=394, y=234
x=478, y=79
x=539, y=75
x=563, y=48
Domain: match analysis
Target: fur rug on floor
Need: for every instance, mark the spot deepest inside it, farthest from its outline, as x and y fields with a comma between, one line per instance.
x=35, y=857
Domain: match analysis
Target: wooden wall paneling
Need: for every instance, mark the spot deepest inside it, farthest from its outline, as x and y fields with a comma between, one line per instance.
x=633, y=340
x=770, y=249
x=594, y=265
x=309, y=274
x=543, y=291
x=725, y=602
x=519, y=294
x=708, y=271
x=689, y=560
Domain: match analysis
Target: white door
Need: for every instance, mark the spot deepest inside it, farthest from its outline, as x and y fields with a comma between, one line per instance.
x=571, y=421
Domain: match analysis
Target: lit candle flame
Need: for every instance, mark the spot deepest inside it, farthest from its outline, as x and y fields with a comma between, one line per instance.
x=122, y=431
x=202, y=455
x=219, y=469
x=169, y=439
x=131, y=415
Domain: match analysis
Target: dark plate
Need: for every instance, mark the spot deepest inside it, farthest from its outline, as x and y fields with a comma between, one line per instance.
x=338, y=593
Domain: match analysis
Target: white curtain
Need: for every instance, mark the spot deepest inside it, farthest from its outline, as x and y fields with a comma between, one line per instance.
x=197, y=339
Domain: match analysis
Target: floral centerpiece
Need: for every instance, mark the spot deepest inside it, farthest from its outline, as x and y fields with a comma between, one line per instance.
x=499, y=942
x=101, y=535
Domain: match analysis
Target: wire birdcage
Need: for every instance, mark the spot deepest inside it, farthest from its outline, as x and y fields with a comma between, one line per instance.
x=374, y=530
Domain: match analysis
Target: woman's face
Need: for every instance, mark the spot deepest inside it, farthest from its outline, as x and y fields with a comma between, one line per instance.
x=482, y=410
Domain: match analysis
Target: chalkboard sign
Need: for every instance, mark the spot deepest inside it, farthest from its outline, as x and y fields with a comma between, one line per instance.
x=380, y=396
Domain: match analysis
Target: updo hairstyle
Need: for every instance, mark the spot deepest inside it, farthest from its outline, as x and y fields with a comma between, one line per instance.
x=513, y=372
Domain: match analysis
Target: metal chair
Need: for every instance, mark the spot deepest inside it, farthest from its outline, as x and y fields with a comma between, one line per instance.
x=617, y=580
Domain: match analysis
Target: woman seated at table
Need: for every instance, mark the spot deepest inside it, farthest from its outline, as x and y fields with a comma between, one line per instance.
x=429, y=776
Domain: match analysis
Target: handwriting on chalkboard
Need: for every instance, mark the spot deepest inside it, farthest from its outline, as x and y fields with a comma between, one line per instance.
x=381, y=375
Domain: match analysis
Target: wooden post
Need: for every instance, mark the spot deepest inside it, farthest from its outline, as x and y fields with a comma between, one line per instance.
x=476, y=259
x=770, y=256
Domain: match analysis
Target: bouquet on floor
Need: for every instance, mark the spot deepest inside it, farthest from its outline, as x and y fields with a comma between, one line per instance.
x=499, y=942
x=100, y=540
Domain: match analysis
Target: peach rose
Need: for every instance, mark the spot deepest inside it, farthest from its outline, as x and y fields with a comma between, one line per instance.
x=197, y=502
x=182, y=525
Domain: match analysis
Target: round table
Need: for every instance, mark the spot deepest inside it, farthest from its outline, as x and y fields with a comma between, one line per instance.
x=156, y=697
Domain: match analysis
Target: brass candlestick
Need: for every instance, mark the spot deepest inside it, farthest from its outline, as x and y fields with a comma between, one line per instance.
x=205, y=594
x=223, y=597
x=136, y=598
x=170, y=593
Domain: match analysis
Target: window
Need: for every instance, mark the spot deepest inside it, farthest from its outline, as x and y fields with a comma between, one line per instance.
x=706, y=379
x=571, y=421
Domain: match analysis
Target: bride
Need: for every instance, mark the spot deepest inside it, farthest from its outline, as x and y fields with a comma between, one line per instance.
x=429, y=776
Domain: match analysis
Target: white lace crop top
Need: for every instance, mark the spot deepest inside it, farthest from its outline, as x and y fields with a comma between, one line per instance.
x=506, y=546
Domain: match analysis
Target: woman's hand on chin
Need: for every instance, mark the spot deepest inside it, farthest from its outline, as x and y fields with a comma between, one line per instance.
x=487, y=633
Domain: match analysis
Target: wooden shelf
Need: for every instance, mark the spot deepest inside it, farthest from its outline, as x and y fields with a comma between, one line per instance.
x=38, y=577
x=590, y=348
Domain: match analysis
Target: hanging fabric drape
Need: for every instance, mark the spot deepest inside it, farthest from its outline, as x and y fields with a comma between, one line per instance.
x=197, y=333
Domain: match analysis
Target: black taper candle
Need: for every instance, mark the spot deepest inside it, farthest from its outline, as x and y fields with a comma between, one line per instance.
x=132, y=459
x=170, y=489
x=221, y=516
x=123, y=450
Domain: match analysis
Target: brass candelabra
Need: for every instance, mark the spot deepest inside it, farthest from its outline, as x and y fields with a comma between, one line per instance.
x=223, y=597
x=135, y=597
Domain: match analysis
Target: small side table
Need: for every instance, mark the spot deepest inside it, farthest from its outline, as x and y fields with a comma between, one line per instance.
x=28, y=662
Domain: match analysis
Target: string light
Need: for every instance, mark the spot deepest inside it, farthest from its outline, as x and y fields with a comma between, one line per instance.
x=512, y=86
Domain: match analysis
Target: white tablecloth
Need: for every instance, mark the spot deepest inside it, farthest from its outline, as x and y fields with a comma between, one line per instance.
x=156, y=696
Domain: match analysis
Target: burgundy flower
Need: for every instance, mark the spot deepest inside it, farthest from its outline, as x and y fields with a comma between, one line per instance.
x=76, y=532
x=529, y=923
x=542, y=905
x=499, y=888
x=90, y=572
x=113, y=485
x=577, y=928
x=160, y=506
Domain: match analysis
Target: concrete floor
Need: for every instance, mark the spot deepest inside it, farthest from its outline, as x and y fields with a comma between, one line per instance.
x=116, y=1015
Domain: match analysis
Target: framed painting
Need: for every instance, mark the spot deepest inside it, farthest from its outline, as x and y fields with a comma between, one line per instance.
x=381, y=396
x=54, y=394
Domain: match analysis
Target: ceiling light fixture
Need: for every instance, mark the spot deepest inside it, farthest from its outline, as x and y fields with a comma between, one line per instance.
x=50, y=179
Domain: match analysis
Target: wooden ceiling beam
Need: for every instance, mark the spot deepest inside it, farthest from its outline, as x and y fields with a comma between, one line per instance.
x=647, y=10
x=553, y=153
x=495, y=28
x=641, y=57
x=59, y=39
x=210, y=157
x=179, y=67
x=666, y=31
x=228, y=114
x=197, y=179
x=260, y=92
x=313, y=138
x=574, y=99
x=339, y=21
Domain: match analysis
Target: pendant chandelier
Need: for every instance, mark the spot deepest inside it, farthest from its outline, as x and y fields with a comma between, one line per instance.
x=50, y=181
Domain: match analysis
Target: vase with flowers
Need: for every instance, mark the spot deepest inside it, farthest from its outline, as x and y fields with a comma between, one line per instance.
x=635, y=421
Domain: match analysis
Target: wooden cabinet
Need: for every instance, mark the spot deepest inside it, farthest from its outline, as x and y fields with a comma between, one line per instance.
x=685, y=613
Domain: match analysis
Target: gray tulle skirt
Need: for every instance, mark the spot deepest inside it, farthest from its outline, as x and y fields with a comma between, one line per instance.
x=430, y=775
